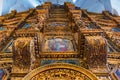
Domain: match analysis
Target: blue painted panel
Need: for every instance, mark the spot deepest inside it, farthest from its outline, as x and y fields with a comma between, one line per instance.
x=27, y=25
x=44, y=62
x=118, y=73
x=116, y=29
x=91, y=26
x=1, y=28
x=9, y=48
x=2, y=73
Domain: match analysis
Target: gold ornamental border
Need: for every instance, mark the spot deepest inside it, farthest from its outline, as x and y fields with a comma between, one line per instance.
x=84, y=71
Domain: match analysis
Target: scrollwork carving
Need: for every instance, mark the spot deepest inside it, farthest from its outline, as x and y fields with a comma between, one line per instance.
x=61, y=74
x=21, y=53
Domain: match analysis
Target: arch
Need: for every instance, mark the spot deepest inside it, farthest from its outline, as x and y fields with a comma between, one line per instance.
x=63, y=69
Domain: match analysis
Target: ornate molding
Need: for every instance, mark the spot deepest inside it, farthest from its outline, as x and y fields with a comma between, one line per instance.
x=59, y=71
x=59, y=55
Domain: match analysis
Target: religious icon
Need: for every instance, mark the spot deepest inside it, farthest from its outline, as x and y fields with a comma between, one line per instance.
x=59, y=45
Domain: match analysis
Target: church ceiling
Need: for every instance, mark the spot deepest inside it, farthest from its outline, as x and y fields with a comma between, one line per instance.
x=6, y=6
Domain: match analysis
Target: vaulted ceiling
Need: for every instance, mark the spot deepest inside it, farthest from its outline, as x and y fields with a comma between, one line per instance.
x=98, y=6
